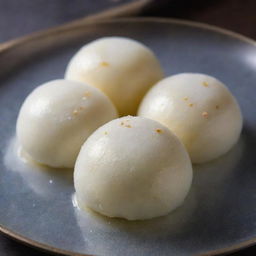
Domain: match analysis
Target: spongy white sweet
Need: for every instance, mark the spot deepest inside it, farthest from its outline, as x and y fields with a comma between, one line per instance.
x=199, y=109
x=56, y=119
x=133, y=168
x=122, y=68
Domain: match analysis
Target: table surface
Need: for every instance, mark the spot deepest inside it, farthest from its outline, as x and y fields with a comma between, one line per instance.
x=20, y=17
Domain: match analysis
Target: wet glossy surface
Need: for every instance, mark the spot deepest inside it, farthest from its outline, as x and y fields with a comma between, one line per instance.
x=220, y=210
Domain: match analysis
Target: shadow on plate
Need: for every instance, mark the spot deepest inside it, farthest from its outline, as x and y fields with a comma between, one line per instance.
x=39, y=178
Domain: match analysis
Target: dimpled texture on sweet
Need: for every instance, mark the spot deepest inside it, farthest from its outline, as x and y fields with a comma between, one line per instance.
x=132, y=168
x=199, y=109
x=122, y=68
x=57, y=117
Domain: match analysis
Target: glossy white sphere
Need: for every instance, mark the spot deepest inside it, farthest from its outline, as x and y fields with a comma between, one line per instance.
x=122, y=68
x=57, y=117
x=133, y=168
x=199, y=109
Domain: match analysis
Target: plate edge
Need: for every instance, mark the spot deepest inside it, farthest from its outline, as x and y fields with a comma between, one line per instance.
x=101, y=19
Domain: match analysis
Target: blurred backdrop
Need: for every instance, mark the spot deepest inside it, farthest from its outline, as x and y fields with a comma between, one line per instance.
x=20, y=17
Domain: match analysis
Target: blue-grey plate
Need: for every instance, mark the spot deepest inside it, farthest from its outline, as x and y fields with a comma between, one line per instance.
x=219, y=215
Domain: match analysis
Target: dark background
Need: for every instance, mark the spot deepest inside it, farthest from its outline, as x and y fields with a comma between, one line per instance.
x=20, y=17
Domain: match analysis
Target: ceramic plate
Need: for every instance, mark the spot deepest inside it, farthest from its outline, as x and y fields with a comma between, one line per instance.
x=219, y=213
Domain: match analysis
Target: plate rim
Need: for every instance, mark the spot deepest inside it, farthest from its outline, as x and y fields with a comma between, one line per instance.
x=91, y=20
x=76, y=25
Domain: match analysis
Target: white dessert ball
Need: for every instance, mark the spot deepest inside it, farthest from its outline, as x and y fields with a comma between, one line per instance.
x=57, y=117
x=199, y=109
x=122, y=68
x=132, y=168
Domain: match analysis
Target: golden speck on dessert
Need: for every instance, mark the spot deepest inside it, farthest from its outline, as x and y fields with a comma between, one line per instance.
x=158, y=130
x=104, y=64
x=185, y=98
x=86, y=95
x=126, y=123
x=205, y=84
x=106, y=133
x=205, y=114
x=191, y=105
x=75, y=112
x=217, y=106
